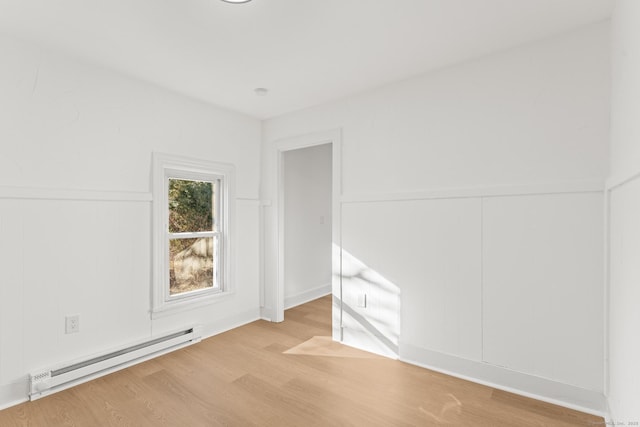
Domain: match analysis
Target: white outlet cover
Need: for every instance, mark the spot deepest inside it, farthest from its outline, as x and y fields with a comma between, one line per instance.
x=362, y=300
x=72, y=324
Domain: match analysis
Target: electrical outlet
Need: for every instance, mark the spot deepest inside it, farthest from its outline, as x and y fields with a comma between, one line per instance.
x=72, y=324
x=362, y=301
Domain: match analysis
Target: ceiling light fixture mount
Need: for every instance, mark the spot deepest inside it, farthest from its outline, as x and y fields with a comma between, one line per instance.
x=236, y=1
x=261, y=91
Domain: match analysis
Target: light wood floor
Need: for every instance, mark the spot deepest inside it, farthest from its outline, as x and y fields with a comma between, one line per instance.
x=244, y=378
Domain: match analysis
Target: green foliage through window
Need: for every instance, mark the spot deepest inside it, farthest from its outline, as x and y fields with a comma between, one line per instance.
x=190, y=206
x=191, y=210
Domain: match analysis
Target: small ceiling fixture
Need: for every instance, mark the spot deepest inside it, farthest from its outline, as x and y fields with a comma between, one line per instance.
x=261, y=91
x=236, y=1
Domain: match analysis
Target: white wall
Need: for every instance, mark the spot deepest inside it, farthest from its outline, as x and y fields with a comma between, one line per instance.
x=537, y=114
x=442, y=174
x=66, y=126
x=418, y=262
x=307, y=216
x=624, y=211
x=542, y=286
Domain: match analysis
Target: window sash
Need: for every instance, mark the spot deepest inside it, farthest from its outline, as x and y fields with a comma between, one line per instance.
x=218, y=255
x=218, y=195
x=217, y=225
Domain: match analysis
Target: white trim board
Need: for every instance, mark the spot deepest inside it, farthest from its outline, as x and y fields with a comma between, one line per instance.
x=620, y=180
x=267, y=314
x=470, y=192
x=71, y=194
x=14, y=394
x=231, y=322
x=275, y=296
x=306, y=296
x=34, y=193
x=538, y=388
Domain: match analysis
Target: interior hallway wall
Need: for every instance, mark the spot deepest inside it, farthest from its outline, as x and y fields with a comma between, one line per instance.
x=307, y=216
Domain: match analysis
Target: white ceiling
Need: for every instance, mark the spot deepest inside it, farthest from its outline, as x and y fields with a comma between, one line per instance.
x=305, y=52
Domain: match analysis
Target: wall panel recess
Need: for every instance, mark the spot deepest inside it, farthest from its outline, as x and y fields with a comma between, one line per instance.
x=427, y=251
x=542, y=286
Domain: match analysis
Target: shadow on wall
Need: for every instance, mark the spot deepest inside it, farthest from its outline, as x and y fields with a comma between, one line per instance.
x=370, y=308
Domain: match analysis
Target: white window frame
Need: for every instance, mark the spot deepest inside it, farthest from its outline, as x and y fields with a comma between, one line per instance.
x=165, y=167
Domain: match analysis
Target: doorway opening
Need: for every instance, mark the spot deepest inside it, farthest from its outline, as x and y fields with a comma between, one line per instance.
x=313, y=216
x=307, y=224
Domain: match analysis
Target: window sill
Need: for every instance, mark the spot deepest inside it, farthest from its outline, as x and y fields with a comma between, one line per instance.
x=180, y=306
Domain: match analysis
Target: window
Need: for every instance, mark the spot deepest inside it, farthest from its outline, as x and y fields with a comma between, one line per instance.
x=194, y=235
x=192, y=204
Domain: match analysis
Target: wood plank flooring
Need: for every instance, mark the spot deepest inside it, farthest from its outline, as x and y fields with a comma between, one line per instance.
x=267, y=374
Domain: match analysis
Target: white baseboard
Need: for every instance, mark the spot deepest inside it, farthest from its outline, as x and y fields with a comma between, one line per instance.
x=543, y=389
x=266, y=313
x=14, y=393
x=608, y=416
x=306, y=296
x=229, y=323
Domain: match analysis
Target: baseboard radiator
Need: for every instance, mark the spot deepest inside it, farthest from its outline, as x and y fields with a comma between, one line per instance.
x=48, y=381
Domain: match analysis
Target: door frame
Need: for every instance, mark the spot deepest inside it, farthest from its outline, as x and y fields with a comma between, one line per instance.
x=333, y=137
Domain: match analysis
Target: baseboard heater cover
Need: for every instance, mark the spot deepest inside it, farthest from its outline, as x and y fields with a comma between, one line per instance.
x=61, y=377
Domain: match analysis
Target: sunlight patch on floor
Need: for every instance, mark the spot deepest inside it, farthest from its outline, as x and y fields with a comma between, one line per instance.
x=325, y=346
